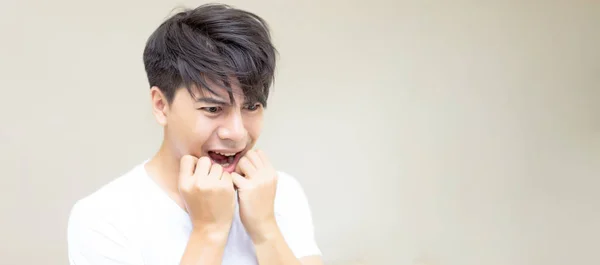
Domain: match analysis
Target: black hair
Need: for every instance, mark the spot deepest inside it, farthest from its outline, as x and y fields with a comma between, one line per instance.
x=213, y=41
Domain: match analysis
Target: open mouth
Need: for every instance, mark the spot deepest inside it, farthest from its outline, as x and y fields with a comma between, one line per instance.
x=227, y=160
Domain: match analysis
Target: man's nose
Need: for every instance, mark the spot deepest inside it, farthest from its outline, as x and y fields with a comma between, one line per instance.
x=233, y=128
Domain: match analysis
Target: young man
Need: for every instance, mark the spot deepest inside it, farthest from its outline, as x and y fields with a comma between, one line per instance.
x=206, y=197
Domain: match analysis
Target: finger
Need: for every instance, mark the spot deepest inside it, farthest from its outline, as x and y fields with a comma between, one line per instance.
x=254, y=159
x=264, y=159
x=226, y=181
x=216, y=171
x=202, y=167
x=239, y=181
x=245, y=167
x=226, y=177
x=187, y=165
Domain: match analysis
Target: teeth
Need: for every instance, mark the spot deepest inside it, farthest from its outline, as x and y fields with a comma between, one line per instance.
x=226, y=154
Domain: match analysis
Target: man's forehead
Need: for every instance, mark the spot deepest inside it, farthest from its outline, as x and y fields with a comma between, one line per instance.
x=220, y=92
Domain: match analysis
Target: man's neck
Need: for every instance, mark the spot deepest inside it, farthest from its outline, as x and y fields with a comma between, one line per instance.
x=163, y=168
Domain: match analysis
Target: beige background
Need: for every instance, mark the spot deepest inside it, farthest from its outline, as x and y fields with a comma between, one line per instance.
x=424, y=132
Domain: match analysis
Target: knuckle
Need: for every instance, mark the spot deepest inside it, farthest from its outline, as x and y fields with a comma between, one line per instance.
x=188, y=158
x=186, y=188
x=244, y=160
x=199, y=186
x=204, y=159
x=223, y=187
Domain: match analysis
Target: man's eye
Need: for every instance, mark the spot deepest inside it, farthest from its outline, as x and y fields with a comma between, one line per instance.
x=211, y=109
x=253, y=107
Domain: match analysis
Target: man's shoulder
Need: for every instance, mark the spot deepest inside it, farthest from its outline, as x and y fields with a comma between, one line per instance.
x=114, y=200
x=103, y=226
x=294, y=216
x=289, y=190
x=287, y=181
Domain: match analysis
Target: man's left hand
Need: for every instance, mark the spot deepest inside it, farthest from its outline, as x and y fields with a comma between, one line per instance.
x=256, y=182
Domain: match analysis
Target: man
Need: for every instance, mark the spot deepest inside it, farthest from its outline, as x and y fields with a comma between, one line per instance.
x=206, y=197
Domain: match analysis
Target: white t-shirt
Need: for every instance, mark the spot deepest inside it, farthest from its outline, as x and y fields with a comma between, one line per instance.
x=131, y=220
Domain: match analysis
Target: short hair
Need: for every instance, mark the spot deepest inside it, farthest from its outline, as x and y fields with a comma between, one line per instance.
x=213, y=41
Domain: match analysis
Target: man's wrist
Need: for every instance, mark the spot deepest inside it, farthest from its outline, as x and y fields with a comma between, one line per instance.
x=205, y=246
x=217, y=235
x=268, y=232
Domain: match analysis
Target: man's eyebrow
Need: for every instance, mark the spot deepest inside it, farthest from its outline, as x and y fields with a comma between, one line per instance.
x=211, y=101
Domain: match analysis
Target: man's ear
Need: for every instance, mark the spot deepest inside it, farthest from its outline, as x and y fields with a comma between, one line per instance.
x=160, y=105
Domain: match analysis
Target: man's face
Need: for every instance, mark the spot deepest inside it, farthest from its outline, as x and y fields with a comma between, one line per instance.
x=212, y=125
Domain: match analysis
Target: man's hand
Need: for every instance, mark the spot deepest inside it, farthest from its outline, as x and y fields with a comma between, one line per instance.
x=209, y=195
x=257, y=186
x=256, y=193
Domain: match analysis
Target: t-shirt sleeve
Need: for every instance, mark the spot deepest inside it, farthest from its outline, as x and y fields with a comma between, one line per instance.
x=294, y=217
x=95, y=241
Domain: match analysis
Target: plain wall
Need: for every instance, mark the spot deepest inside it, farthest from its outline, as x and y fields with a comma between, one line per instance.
x=423, y=132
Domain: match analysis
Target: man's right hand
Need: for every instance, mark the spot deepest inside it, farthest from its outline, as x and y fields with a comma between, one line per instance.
x=209, y=195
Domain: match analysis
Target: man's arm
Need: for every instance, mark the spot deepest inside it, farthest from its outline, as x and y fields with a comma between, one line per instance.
x=275, y=213
x=274, y=250
x=291, y=240
x=210, y=201
x=204, y=247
